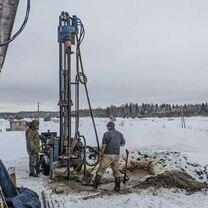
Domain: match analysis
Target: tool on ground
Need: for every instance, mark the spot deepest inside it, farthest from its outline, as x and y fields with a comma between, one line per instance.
x=88, y=174
x=126, y=178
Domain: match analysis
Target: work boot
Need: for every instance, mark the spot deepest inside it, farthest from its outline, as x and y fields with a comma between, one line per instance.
x=33, y=175
x=37, y=168
x=117, y=184
x=33, y=171
x=97, y=181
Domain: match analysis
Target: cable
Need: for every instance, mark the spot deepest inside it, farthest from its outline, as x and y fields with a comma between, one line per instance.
x=79, y=74
x=78, y=54
x=21, y=28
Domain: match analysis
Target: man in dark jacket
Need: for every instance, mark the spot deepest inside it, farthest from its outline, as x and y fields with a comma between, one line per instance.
x=33, y=147
x=110, y=154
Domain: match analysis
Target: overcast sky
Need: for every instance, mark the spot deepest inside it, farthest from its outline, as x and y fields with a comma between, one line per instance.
x=134, y=51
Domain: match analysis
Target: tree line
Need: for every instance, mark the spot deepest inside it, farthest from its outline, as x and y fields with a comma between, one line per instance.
x=133, y=110
x=128, y=110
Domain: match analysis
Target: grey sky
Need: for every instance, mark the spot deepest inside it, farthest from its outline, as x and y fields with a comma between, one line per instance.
x=133, y=51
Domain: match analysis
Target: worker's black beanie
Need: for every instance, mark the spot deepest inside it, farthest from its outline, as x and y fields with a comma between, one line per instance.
x=110, y=124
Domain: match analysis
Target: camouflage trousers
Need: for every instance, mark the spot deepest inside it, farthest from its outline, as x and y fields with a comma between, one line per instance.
x=33, y=161
x=109, y=161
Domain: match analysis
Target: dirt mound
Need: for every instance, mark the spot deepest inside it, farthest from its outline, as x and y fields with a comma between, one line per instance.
x=159, y=170
x=169, y=170
x=158, y=162
x=172, y=179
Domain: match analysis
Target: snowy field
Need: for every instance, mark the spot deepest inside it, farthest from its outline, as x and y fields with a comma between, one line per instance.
x=149, y=135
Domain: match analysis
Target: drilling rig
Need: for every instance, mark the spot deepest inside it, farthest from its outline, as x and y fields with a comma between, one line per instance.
x=67, y=150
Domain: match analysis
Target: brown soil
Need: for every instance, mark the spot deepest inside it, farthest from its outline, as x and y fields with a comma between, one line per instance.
x=142, y=175
x=172, y=179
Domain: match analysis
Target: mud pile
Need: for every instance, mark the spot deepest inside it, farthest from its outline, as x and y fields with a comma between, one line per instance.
x=156, y=169
x=172, y=179
x=169, y=170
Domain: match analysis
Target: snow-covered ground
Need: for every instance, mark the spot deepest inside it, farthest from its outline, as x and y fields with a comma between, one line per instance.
x=151, y=135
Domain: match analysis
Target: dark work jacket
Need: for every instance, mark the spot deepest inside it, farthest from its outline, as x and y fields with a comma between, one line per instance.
x=113, y=140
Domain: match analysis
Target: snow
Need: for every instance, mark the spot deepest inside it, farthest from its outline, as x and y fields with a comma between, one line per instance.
x=157, y=199
x=150, y=135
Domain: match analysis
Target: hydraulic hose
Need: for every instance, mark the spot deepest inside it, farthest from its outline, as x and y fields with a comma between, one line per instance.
x=21, y=28
x=84, y=82
x=82, y=77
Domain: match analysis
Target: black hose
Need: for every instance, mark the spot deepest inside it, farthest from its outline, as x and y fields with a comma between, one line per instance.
x=79, y=40
x=21, y=28
x=89, y=104
x=84, y=159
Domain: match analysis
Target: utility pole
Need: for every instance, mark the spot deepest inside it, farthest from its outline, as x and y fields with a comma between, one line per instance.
x=38, y=111
x=183, y=124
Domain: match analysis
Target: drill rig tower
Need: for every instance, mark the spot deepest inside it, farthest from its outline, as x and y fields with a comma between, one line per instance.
x=71, y=149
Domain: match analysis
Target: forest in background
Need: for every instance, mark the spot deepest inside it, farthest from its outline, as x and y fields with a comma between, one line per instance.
x=128, y=110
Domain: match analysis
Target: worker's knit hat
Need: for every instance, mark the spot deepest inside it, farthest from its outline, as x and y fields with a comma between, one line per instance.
x=110, y=124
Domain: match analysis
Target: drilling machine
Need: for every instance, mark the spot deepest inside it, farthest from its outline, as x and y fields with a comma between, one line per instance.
x=63, y=150
x=67, y=151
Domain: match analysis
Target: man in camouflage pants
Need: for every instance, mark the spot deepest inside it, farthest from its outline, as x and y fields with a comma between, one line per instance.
x=33, y=147
x=110, y=154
